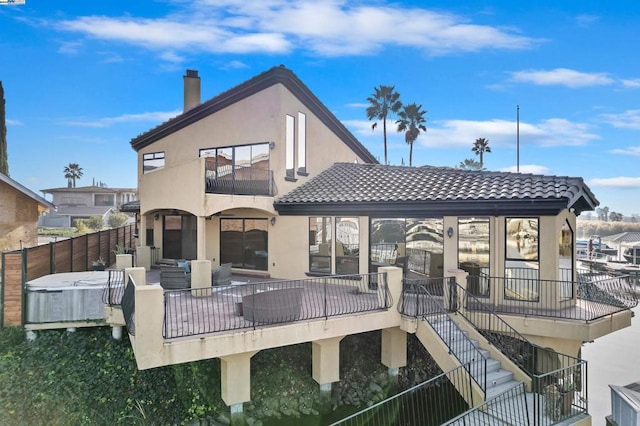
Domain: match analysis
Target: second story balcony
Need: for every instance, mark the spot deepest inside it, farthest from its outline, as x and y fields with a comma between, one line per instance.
x=239, y=180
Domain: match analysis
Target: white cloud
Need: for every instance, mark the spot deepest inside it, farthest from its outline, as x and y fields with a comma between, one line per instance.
x=633, y=83
x=617, y=182
x=586, y=20
x=549, y=132
x=171, y=57
x=358, y=105
x=633, y=151
x=10, y=122
x=527, y=168
x=234, y=65
x=70, y=47
x=562, y=77
x=629, y=119
x=154, y=117
x=278, y=26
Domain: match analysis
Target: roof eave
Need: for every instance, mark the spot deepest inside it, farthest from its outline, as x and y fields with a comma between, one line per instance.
x=500, y=207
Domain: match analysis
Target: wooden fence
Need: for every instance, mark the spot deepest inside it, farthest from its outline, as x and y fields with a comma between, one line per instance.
x=71, y=255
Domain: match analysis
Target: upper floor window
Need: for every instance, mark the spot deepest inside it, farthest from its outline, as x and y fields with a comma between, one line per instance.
x=152, y=161
x=242, y=169
x=473, y=253
x=290, y=142
x=302, y=143
x=104, y=200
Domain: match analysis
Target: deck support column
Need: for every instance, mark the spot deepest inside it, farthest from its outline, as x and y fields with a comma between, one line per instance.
x=394, y=349
x=235, y=380
x=201, y=238
x=326, y=361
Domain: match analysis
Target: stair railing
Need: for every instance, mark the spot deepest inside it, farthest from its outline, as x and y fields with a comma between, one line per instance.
x=559, y=381
x=418, y=302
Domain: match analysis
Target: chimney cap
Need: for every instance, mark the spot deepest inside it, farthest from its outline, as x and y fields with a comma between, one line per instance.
x=192, y=73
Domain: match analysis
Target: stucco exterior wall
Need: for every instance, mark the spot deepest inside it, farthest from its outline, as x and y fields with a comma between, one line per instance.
x=18, y=219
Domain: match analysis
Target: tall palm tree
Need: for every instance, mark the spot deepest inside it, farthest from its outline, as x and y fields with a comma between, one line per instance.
x=480, y=146
x=385, y=100
x=72, y=172
x=411, y=122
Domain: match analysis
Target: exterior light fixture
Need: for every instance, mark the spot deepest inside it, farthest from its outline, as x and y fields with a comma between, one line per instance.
x=273, y=220
x=272, y=145
x=450, y=232
x=157, y=216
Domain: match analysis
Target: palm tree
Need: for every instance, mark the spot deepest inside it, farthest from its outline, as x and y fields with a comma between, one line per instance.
x=480, y=146
x=385, y=100
x=72, y=172
x=411, y=122
x=469, y=164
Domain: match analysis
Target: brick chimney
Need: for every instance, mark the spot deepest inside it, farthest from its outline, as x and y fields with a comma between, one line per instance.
x=191, y=89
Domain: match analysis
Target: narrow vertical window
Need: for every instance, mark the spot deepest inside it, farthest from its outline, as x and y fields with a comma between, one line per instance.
x=290, y=145
x=302, y=144
x=320, y=244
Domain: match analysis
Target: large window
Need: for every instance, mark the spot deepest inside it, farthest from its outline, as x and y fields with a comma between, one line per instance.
x=152, y=161
x=473, y=253
x=320, y=244
x=302, y=144
x=565, y=255
x=347, y=245
x=242, y=169
x=522, y=259
x=244, y=243
x=415, y=244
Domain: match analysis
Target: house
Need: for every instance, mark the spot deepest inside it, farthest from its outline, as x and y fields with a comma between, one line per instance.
x=84, y=202
x=20, y=209
x=264, y=177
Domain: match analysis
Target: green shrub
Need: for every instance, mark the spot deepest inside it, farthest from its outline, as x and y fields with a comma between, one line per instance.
x=95, y=223
x=117, y=220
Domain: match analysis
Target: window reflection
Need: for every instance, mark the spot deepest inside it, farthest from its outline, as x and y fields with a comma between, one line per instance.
x=425, y=246
x=565, y=256
x=347, y=245
x=473, y=253
x=320, y=244
x=521, y=259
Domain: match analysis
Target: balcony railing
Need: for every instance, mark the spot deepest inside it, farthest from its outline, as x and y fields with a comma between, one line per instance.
x=194, y=312
x=114, y=289
x=239, y=180
x=598, y=294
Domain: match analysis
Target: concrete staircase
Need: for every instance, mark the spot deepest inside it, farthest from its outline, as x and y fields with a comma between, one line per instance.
x=467, y=350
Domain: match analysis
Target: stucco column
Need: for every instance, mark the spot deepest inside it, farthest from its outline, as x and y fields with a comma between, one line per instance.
x=124, y=261
x=142, y=234
x=139, y=276
x=461, y=279
x=143, y=257
x=394, y=349
x=201, y=238
x=235, y=378
x=326, y=361
x=200, y=278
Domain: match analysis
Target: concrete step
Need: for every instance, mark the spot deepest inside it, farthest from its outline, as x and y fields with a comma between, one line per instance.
x=496, y=390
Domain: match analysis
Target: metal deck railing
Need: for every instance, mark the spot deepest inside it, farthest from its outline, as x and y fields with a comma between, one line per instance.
x=193, y=312
x=433, y=402
x=114, y=289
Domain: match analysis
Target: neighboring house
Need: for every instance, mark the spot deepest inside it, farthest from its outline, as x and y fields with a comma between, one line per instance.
x=19, y=212
x=265, y=177
x=85, y=202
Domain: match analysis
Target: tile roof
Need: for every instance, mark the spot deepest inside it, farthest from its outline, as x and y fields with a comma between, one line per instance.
x=623, y=237
x=276, y=75
x=350, y=187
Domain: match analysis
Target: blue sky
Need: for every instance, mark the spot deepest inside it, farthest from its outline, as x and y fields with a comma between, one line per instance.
x=81, y=78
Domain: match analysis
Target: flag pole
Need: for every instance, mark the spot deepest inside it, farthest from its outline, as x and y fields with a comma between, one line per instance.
x=518, y=138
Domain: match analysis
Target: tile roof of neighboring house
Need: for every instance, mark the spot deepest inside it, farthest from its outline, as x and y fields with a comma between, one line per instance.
x=276, y=75
x=623, y=237
x=92, y=189
x=357, y=189
x=84, y=211
x=29, y=193
x=131, y=207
